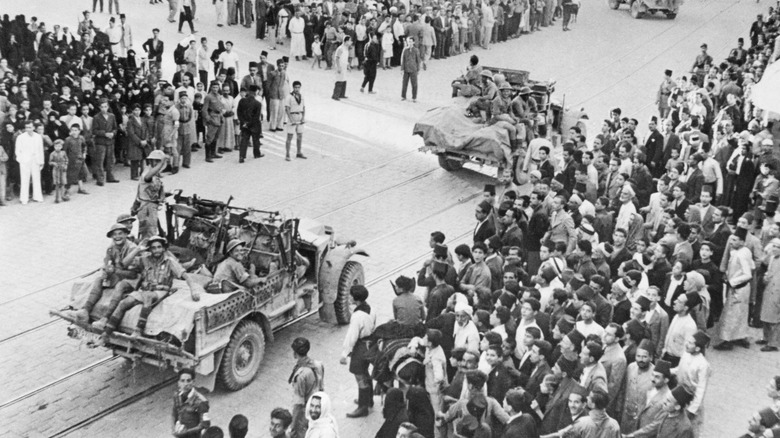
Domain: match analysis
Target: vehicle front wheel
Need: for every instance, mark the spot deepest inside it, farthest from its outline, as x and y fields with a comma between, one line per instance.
x=351, y=275
x=636, y=9
x=671, y=15
x=243, y=356
x=448, y=164
x=614, y=4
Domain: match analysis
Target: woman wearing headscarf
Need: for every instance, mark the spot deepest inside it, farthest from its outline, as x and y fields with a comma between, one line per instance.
x=321, y=421
x=420, y=411
x=394, y=413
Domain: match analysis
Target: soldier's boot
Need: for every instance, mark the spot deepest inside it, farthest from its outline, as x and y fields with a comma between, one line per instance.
x=364, y=398
x=100, y=324
x=81, y=316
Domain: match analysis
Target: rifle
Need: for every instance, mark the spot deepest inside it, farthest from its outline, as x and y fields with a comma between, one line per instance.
x=218, y=246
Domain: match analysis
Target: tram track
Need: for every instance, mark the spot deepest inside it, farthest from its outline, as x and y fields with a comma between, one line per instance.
x=154, y=388
x=369, y=196
x=274, y=204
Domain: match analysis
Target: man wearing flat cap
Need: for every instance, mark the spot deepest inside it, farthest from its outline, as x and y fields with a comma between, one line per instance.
x=408, y=308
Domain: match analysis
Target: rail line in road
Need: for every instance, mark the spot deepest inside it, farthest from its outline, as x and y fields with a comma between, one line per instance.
x=152, y=389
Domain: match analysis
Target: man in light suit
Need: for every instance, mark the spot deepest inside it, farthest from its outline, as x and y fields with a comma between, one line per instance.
x=653, y=409
x=594, y=376
x=561, y=225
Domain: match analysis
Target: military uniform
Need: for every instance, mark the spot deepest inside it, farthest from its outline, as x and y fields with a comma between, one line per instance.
x=156, y=280
x=212, y=119
x=186, y=133
x=103, y=160
x=148, y=199
x=114, y=257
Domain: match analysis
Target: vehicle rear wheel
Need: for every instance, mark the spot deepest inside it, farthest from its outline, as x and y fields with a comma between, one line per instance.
x=636, y=9
x=671, y=15
x=449, y=164
x=243, y=356
x=614, y=4
x=518, y=176
x=351, y=275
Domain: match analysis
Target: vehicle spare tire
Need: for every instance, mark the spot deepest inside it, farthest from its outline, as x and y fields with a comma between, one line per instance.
x=351, y=275
x=448, y=164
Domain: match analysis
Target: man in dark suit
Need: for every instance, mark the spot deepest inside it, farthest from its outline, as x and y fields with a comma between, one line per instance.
x=441, y=36
x=671, y=141
x=520, y=424
x=499, y=378
x=540, y=355
x=720, y=235
x=654, y=147
x=656, y=275
x=679, y=204
x=668, y=295
x=485, y=228
x=251, y=122
x=265, y=68
x=261, y=12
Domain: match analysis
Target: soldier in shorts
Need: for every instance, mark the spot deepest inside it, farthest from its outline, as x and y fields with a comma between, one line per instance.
x=158, y=268
x=296, y=115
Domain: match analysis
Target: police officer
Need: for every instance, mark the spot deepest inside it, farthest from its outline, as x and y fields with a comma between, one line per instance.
x=212, y=118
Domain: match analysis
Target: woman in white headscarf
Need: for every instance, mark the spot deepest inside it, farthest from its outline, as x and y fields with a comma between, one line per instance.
x=322, y=424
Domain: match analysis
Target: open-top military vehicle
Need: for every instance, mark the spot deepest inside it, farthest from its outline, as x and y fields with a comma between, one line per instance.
x=456, y=139
x=640, y=8
x=223, y=335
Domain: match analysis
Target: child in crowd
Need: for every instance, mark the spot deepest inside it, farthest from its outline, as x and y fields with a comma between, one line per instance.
x=58, y=161
x=387, y=47
x=316, y=51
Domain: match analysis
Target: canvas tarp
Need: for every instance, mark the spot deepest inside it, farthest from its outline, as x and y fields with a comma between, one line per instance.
x=449, y=128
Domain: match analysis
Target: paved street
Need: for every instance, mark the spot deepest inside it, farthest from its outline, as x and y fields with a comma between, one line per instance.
x=363, y=177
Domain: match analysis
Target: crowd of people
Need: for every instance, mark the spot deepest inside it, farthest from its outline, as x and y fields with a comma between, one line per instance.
x=75, y=104
x=584, y=309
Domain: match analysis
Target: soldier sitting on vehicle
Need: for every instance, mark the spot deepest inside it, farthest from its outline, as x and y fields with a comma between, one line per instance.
x=158, y=269
x=231, y=274
x=524, y=109
x=502, y=117
x=114, y=271
x=480, y=106
x=468, y=84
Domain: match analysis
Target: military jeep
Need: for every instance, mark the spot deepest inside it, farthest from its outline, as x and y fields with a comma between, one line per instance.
x=223, y=335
